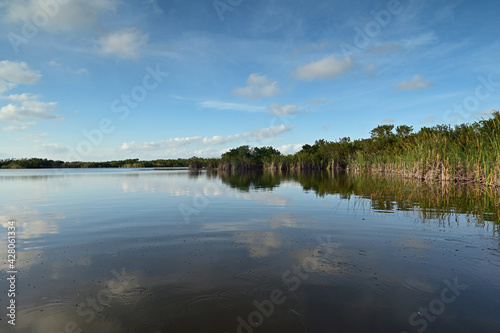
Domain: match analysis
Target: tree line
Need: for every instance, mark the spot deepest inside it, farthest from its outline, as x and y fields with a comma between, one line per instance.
x=465, y=152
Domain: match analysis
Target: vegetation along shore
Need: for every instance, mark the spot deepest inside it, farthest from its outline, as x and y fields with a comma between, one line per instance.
x=462, y=153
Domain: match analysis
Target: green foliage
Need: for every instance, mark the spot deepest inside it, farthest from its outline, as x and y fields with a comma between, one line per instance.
x=466, y=152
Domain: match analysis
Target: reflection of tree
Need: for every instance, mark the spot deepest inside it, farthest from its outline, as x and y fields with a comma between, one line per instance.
x=246, y=180
x=387, y=193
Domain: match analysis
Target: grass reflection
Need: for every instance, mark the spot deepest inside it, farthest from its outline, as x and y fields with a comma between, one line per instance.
x=440, y=201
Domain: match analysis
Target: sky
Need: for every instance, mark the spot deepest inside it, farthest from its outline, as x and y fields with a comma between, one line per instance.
x=99, y=80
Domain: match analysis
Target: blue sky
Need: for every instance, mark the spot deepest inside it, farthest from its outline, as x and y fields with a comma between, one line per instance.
x=108, y=79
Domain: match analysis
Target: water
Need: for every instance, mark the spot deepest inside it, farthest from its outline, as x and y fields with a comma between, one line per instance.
x=130, y=250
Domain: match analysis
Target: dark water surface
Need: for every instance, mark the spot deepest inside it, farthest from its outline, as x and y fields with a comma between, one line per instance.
x=130, y=250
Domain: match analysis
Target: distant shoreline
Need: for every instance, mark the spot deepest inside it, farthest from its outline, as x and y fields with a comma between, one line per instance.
x=466, y=153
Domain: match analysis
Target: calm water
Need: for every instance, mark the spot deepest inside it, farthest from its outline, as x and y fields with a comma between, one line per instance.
x=129, y=250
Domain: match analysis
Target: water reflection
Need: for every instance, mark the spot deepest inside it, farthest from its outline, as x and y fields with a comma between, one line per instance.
x=440, y=201
x=349, y=253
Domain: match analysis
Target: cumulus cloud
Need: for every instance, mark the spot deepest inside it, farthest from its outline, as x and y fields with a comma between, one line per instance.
x=23, y=108
x=416, y=83
x=258, y=86
x=290, y=148
x=231, y=106
x=324, y=69
x=14, y=73
x=31, y=108
x=125, y=43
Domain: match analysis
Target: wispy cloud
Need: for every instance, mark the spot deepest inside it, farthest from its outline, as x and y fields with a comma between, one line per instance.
x=159, y=145
x=384, y=48
x=284, y=110
x=156, y=7
x=429, y=119
x=20, y=127
x=57, y=66
x=371, y=68
x=256, y=135
x=324, y=69
x=231, y=106
x=317, y=101
x=416, y=83
x=258, y=86
x=64, y=16
x=53, y=148
x=425, y=39
x=125, y=43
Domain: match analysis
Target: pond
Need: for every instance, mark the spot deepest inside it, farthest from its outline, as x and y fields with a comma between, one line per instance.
x=141, y=250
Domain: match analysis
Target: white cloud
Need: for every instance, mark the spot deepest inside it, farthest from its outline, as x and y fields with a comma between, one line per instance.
x=324, y=69
x=14, y=73
x=416, y=83
x=125, y=43
x=429, y=38
x=210, y=152
x=284, y=110
x=53, y=148
x=258, y=134
x=56, y=65
x=35, y=136
x=231, y=106
x=31, y=109
x=290, y=148
x=68, y=16
x=20, y=127
x=22, y=108
x=159, y=145
x=258, y=86
x=81, y=71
